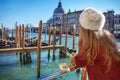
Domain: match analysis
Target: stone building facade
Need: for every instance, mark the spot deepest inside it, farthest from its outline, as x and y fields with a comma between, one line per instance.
x=69, y=19
x=116, y=31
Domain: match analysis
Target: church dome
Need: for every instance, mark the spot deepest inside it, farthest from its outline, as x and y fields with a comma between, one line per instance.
x=59, y=9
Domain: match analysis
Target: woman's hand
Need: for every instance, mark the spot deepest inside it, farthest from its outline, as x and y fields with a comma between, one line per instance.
x=67, y=67
x=72, y=58
x=64, y=67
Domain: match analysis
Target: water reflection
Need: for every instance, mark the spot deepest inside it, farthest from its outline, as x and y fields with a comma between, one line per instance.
x=11, y=68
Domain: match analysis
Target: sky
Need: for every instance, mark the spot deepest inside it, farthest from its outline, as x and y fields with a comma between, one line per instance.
x=32, y=11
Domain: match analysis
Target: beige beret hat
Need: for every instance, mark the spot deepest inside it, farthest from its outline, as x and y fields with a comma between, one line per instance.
x=92, y=19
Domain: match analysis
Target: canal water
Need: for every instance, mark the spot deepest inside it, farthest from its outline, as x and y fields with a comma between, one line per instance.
x=10, y=68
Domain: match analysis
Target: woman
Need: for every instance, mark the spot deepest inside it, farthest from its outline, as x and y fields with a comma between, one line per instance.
x=97, y=48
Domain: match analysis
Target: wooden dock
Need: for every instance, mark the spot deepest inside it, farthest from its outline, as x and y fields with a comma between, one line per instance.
x=21, y=49
x=10, y=50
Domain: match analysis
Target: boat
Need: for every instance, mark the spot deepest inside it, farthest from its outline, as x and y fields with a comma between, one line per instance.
x=44, y=44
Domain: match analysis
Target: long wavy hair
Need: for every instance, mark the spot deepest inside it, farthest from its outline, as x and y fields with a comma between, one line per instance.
x=91, y=41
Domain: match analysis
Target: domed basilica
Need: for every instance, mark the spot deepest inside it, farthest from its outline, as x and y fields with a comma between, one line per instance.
x=57, y=16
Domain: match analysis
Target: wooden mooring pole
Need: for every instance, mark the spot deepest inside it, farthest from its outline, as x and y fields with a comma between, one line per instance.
x=20, y=47
x=16, y=37
x=60, y=35
x=39, y=49
x=54, y=41
x=49, y=43
x=20, y=44
x=63, y=52
x=73, y=46
x=23, y=44
x=2, y=31
x=66, y=38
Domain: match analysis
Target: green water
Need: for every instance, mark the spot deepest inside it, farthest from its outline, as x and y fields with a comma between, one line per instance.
x=10, y=68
